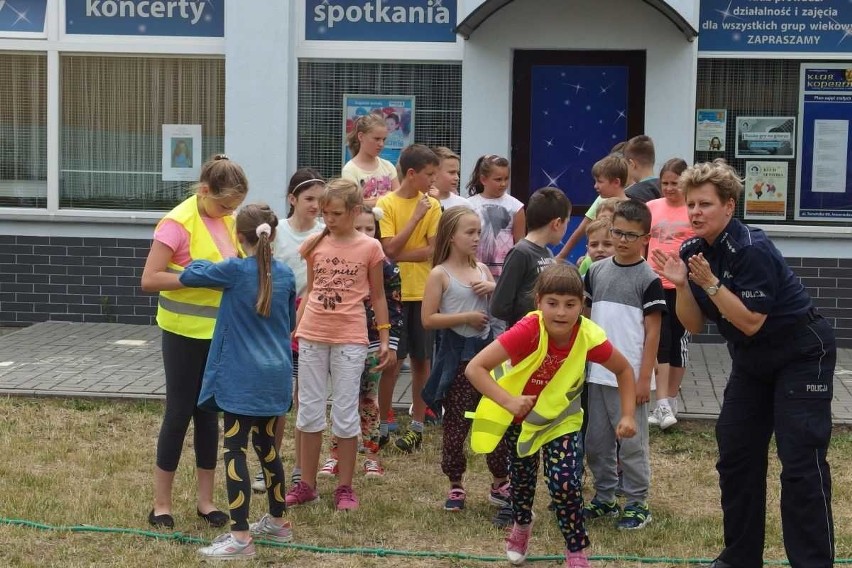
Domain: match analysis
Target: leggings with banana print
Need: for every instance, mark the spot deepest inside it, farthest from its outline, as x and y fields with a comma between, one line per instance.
x=238, y=480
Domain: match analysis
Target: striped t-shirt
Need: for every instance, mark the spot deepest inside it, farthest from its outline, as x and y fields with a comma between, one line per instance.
x=621, y=296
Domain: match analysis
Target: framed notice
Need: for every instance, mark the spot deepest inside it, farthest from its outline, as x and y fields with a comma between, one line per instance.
x=765, y=190
x=710, y=127
x=824, y=184
x=396, y=111
x=182, y=155
x=766, y=137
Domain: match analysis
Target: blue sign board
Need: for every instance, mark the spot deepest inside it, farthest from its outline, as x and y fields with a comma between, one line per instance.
x=174, y=18
x=381, y=20
x=398, y=114
x=773, y=26
x=22, y=16
x=825, y=162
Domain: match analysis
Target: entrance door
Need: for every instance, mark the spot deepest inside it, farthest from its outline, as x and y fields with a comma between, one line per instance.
x=569, y=108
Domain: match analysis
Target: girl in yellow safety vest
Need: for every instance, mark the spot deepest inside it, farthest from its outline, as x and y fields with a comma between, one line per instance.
x=201, y=227
x=536, y=405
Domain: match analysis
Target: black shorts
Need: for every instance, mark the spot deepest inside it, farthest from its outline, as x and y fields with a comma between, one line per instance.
x=674, y=339
x=415, y=341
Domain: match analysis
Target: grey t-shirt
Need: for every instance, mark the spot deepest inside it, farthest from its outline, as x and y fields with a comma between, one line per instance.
x=512, y=299
x=644, y=190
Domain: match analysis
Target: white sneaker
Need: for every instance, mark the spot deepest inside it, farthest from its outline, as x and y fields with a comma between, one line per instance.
x=667, y=419
x=258, y=485
x=226, y=547
x=654, y=417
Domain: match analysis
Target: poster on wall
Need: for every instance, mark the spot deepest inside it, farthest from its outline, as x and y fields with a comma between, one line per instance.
x=752, y=26
x=397, y=112
x=766, y=137
x=710, y=127
x=182, y=155
x=824, y=184
x=765, y=190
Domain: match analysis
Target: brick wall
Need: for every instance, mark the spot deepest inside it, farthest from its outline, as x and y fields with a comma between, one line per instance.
x=97, y=280
x=73, y=279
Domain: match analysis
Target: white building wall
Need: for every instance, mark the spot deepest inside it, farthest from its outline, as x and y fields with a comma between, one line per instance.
x=260, y=71
x=577, y=25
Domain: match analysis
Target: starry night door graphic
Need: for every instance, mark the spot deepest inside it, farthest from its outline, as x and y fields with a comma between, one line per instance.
x=569, y=109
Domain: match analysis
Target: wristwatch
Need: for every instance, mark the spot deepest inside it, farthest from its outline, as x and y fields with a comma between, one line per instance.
x=714, y=289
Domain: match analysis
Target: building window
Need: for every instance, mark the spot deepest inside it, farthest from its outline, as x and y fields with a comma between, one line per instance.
x=751, y=87
x=112, y=112
x=437, y=112
x=23, y=130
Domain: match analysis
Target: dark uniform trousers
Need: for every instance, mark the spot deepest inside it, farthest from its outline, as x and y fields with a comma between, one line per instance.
x=783, y=384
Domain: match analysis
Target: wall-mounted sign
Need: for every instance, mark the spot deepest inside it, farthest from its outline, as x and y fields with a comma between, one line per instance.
x=780, y=27
x=174, y=18
x=765, y=190
x=824, y=185
x=22, y=18
x=381, y=20
x=396, y=111
x=766, y=136
x=710, y=125
x=182, y=155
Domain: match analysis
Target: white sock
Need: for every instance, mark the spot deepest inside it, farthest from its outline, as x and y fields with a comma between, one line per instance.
x=663, y=402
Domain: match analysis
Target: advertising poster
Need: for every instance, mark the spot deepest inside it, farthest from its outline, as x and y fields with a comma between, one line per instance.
x=761, y=26
x=765, y=190
x=710, y=127
x=182, y=155
x=766, y=137
x=396, y=111
x=824, y=184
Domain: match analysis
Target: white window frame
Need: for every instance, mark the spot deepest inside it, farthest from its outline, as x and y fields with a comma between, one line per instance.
x=56, y=44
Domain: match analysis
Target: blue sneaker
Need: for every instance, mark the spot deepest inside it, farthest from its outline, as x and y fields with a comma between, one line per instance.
x=636, y=515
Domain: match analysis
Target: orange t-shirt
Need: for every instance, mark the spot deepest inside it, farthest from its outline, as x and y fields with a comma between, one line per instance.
x=335, y=312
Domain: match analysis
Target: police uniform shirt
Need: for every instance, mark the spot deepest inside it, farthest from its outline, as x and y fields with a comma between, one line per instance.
x=747, y=263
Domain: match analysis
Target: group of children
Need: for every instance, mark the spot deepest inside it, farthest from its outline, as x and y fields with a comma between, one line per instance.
x=398, y=249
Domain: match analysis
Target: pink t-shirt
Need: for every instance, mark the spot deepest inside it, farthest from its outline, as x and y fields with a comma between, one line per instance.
x=173, y=235
x=670, y=226
x=335, y=312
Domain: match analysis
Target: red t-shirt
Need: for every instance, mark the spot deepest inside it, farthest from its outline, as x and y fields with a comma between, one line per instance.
x=522, y=340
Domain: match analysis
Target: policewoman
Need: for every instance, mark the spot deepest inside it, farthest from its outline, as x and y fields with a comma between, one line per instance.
x=201, y=227
x=783, y=356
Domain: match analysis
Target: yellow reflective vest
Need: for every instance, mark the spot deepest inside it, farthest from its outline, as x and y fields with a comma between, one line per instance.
x=557, y=410
x=191, y=312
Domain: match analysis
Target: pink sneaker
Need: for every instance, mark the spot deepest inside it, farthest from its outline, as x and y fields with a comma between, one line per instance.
x=577, y=559
x=372, y=468
x=500, y=495
x=329, y=468
x=301, y=494
x=344, y=498
x=518, y=543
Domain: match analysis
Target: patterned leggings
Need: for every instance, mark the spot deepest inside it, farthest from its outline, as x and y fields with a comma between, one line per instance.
x=237, y=478
x=563, y=470
x=368, y=406
x=462, y=397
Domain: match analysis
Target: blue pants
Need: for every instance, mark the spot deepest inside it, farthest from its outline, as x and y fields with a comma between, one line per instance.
x=783, y=385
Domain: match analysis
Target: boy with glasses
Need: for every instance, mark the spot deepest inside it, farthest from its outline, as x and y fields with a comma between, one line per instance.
x=627, y=301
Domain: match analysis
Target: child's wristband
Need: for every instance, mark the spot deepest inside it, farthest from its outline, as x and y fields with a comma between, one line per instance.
x=383, y=326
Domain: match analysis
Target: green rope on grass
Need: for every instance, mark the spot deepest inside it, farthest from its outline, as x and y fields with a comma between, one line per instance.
x=362, y=551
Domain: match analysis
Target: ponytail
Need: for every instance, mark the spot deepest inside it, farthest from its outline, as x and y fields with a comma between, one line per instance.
x=363, y=124
x=484, y=166
x=256, y=223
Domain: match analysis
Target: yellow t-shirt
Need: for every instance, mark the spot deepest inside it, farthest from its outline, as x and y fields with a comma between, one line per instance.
x=398, y=211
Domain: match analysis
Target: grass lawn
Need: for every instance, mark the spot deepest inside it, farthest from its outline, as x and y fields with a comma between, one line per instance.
x=77, y=462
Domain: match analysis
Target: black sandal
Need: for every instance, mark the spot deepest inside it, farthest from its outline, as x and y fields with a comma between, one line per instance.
x=214, y=518
x=161, y=521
